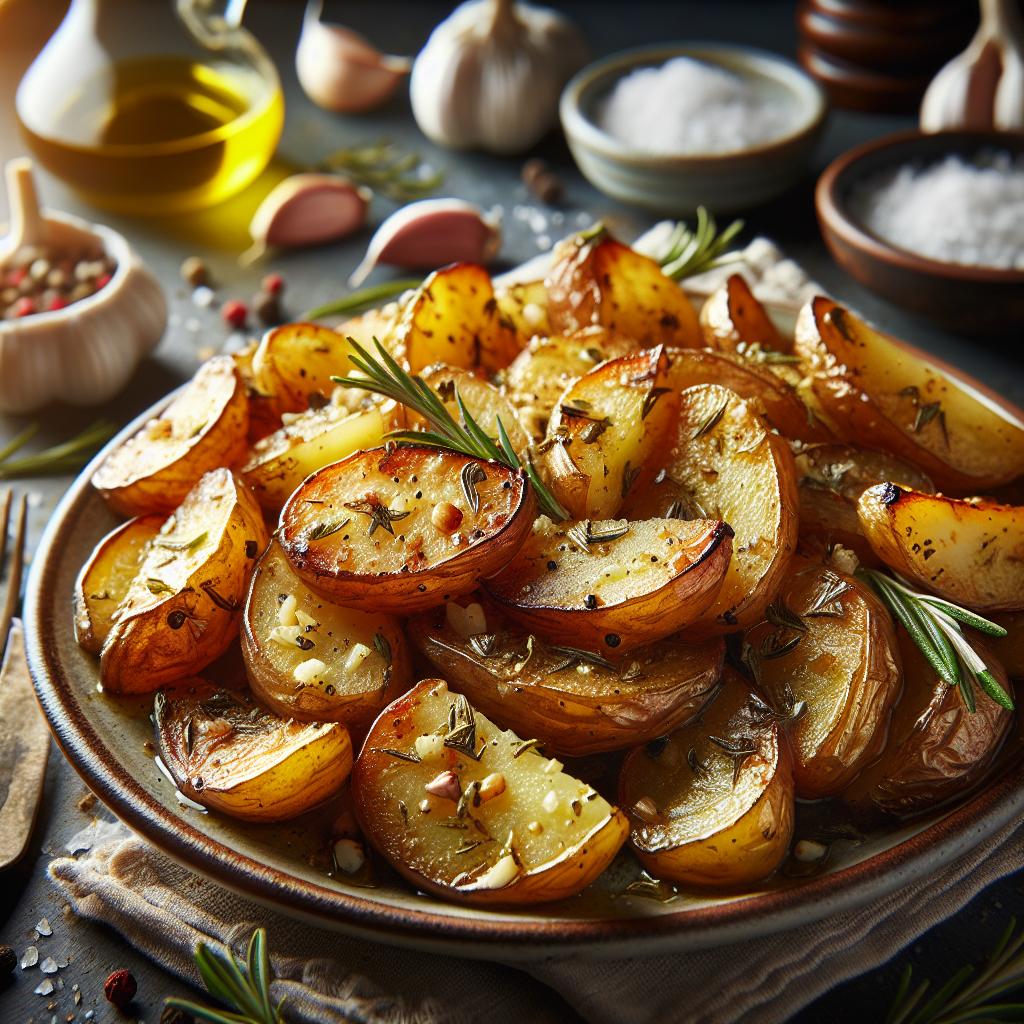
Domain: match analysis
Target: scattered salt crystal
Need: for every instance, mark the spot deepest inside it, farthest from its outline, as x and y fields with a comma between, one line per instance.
x=29, y=958
x=543, y=242
x=688, y=106
x=203, y=296
x=48, y=966
x=192, y=325
x=808, y=851
x=44, y=988
x=44, y=927
x=583, y=218
x=955, y=211
x=89, y=1014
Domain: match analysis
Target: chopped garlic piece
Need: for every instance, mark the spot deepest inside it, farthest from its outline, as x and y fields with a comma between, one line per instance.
x=430, y=748
x=286, y=611
x=499, y=874
x=844, y=560
x=349, y=855
x=492, y=786
x=358, y=654
x=533, y=314
x=306, y=621
x=285, y=635
x=550, y=802
x=309, y=671
x=808, y=851
x=466, y=621
x=552, y=767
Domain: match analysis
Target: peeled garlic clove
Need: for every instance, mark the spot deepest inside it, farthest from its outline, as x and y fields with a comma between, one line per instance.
x=339, y=70
x=309, y=209
x=430, y=234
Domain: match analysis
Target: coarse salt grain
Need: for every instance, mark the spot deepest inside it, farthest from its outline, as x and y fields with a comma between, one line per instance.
x=687, y=106
x=954, y=211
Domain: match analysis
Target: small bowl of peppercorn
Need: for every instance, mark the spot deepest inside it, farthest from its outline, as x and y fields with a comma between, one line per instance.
x=78, y=308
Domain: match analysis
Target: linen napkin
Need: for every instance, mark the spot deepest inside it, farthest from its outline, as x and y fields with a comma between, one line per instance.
x=163, y=910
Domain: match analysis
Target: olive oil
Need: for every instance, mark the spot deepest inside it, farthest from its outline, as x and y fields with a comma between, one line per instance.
x=160, y=135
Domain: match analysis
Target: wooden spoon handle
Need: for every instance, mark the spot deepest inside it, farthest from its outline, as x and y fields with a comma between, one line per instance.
x=27, y=224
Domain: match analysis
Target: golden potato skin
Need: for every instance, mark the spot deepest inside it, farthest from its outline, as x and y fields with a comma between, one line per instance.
x=573, y=707
x=204, y=428
x=619, y=594
x=331, y=537
x=595, y=279
x=106, y=577
x=969, y=552
x=606, y=432
x=707, y=819
x=732, y=319
x=844, y=669
x=227, y=753
x=264, y=418
x=937, y=749
x=455, y=843
x=725, y=463
x=366, y=655
x=182, y=610
x=524, y=305
x=879, y=395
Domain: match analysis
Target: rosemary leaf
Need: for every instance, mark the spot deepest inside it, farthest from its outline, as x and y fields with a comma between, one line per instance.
x=362, y=299
x=59, y=458
x=689, y=253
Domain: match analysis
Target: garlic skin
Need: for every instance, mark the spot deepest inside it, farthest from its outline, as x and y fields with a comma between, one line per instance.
x=309, y=209
x=340, y=71
x=491, y=74
x=982, y=88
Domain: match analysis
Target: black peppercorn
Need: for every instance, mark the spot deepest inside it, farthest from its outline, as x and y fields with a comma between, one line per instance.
x=8, y=960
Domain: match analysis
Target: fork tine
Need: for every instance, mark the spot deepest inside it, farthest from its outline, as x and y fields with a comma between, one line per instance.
x=13, y=595
x=5, y=517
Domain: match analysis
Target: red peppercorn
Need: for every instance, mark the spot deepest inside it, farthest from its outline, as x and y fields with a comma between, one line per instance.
x=56, y=303
x=15, y=277
x=24, y=306
x=234, y=313
x=120, y=988
x=102, y=281
x=273, y=284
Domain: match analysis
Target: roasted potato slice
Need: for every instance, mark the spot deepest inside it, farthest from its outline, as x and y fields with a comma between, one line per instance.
x=453, y=318
x=595, y=279
x=105, y=578
x=264, y=418
x=524, y=305
x=937, y=749
x=712, y=806
x=473, y=813
x=374, y=325
x=575, y=704
x=882, y=396
x=832, y=477
x=182, y=609
x=404, y=530
x=827, y=656
x=230, y=755
x=725, y=464
x=312, y=660
x=607, y=431
x=613, y=585
x=312, y=440
x=732, y=320
x=205, y=427
x=969, y=552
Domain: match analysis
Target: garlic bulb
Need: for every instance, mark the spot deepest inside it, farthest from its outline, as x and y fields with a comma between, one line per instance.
x=491, y=74
x=982, y=88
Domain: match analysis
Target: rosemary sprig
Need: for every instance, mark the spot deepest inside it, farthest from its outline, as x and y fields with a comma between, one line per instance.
x=384, y=376
x=245, y=988
x=386, y=170
x=934, y=625
x=970, y=994
x=60, y=458
x=689, y=253
x=365, y=298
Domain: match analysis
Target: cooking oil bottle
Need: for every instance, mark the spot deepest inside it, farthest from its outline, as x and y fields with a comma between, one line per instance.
x=146, y=132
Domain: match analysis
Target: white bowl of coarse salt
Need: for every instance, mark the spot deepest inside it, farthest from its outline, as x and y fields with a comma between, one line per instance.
x=671, y=128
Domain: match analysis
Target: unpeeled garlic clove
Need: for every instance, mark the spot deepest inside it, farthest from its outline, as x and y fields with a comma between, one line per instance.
x=309, y=209
x=429, y=234
x=339, y=70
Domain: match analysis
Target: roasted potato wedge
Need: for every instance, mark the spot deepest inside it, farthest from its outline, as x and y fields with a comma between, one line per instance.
x=230, y=755
x=397, y=531
x=573, y=705
x=453, y=318
x=613, y=585
x=312, y=440
x=473, y=813
x=827, y=656
x=969, y=552
x=105, y=578
x=264, y=418
x=725, y=464
x=205, y=427
x=882, y=396
x=712, y=806
x=937, y=749
x=595, y=279
x=374, y=325
x=732, y=320
x=182, y=609
x=524, y=305
x=312, y=660
x=607, y=431
x=832, y=477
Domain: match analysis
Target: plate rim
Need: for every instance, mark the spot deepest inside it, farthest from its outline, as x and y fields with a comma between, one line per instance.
x=959, y=830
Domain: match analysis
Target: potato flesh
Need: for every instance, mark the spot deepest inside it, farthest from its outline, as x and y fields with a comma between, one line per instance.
x=605, y=432
x=204, y=428
x=844, y=669
x=107, y=576
x=574, y=707
x=524, y=305
x=364, y=654
x=732, y=318
x=231, y=755
x=443, y=850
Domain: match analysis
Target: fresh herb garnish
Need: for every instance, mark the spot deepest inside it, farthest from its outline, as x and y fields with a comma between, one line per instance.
x=174, y=544
x=934, y=625
x=575, y=656
x=155, y=586
x=651, y=888
x=364, y=298
x=825, y=600
x=384, y=376
x=472, y=474
x=462, y=729
x=651, y=400
x=483, y=643
x=60, y=458
x=712, y=420
x=326, y=528
x=384, y=169
x=688, y=253
x=402, y=755
x=380, y=515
